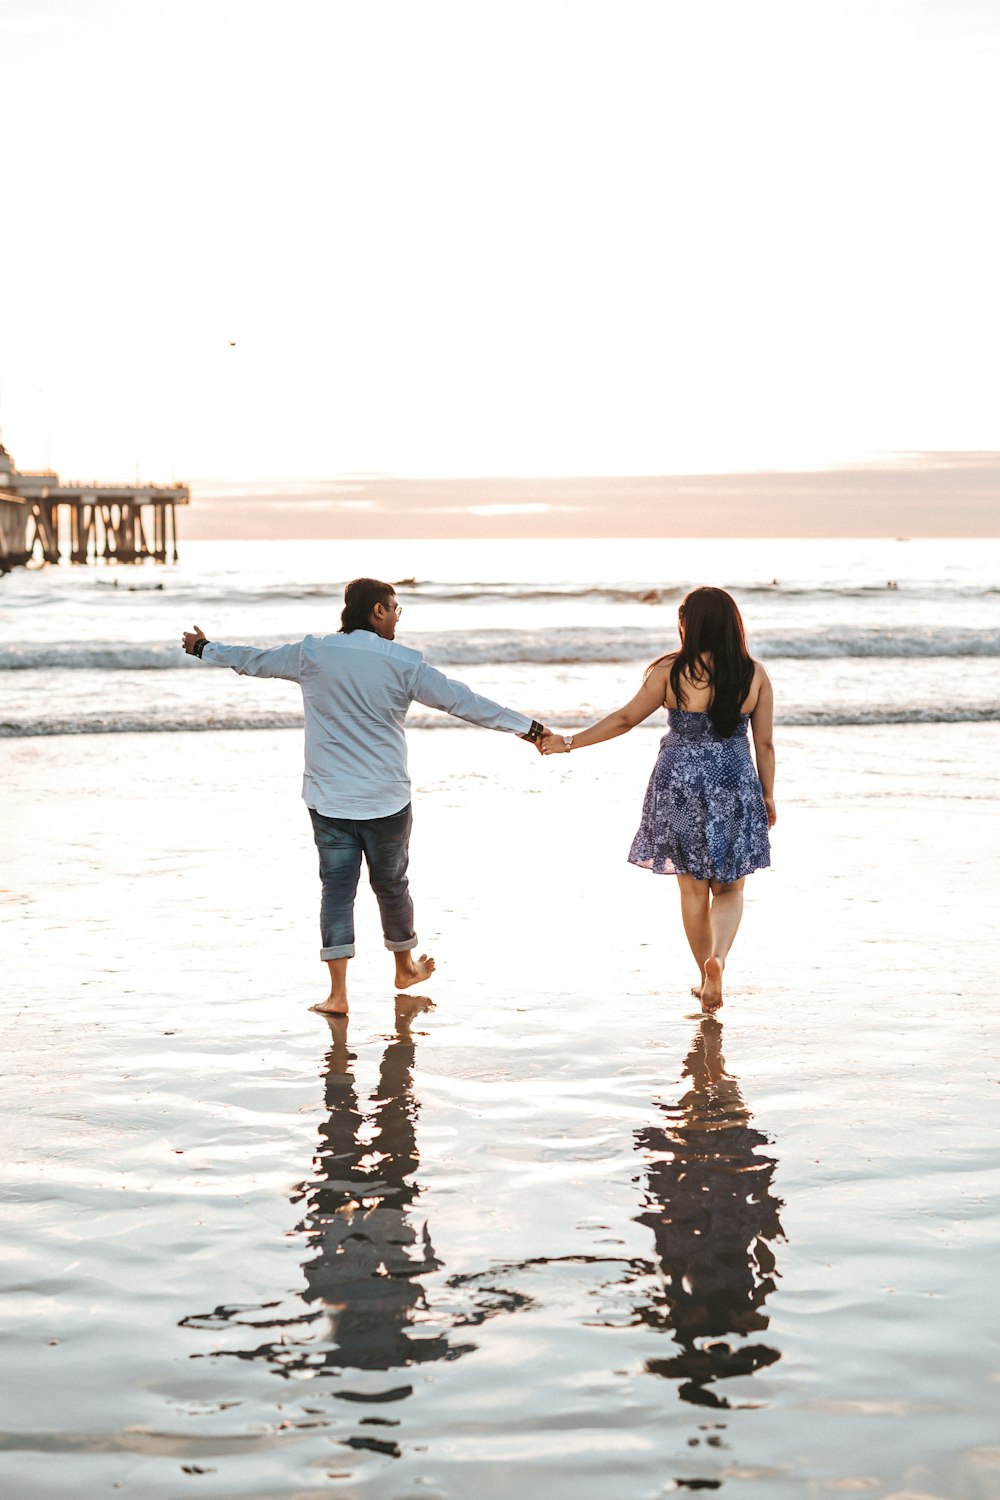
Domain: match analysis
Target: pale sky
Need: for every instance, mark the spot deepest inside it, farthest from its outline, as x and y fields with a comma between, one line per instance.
x=484, y=238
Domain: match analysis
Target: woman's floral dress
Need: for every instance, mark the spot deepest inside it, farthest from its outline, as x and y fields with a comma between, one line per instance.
x=704, y=810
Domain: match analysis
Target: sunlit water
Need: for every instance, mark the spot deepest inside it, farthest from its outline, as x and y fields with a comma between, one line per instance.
x=551, y=1236
x=853, y=632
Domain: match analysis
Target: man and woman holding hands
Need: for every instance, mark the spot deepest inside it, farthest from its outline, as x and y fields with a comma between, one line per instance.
x=706, y=813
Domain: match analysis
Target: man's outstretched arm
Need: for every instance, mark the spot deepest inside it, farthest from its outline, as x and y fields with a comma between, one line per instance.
x=435, y=690
x=248, y=661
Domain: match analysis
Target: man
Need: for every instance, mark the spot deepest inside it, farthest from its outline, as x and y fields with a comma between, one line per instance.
x=356, y=688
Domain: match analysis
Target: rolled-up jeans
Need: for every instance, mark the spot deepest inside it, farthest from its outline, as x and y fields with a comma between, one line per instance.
x=385, y=844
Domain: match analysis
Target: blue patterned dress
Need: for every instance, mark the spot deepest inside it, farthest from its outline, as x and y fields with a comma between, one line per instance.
x=704, y=810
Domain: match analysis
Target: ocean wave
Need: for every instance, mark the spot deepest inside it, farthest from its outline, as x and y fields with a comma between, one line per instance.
x=139, y=723
x=95, y=656
x=557, y=647
x=210, y=593
x=158, y=723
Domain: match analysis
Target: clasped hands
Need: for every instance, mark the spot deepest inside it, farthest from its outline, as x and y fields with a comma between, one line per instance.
x=545, y=741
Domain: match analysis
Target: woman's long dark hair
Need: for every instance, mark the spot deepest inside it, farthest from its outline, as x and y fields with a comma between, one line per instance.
x=360, y=598
x=714, y=651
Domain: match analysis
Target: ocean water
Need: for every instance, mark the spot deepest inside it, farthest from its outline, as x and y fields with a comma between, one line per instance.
x=853, y=632
x=542, y=1232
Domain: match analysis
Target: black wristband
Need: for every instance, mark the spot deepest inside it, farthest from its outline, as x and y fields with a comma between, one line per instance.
x=199, y=647
x=535, y=733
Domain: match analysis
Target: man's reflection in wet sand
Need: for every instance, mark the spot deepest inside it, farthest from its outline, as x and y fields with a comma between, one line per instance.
x=714, y=1218
x=366, y=1306
x=370, y=1249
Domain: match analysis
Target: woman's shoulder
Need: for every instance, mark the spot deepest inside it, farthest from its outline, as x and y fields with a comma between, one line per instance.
x=758, y=682
x=660, y=668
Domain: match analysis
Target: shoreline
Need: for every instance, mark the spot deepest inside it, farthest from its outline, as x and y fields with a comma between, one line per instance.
x=191, y=1291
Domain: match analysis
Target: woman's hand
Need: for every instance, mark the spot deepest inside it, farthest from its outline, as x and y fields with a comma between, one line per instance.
x=771, y=810
x=552, y=744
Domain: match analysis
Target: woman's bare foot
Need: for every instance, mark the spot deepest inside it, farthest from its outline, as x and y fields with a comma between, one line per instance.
x=711, y=990
x=410, y=970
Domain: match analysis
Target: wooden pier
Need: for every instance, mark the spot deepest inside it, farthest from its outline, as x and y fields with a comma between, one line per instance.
x=100, y=522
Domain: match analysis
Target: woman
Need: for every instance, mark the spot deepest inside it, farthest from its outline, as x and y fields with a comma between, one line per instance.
x=707, y=812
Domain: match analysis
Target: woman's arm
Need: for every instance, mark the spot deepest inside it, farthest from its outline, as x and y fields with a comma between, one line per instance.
x=762, y=725
x=646, y=701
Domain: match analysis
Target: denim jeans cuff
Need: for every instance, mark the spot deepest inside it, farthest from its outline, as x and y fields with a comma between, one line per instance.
x=403, y=947
x=343, y=950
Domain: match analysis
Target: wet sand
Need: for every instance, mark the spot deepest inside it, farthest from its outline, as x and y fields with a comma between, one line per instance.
x=548, y=1235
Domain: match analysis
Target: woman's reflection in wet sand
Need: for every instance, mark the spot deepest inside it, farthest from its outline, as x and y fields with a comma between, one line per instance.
x=370, y=1249
x=714, y=1218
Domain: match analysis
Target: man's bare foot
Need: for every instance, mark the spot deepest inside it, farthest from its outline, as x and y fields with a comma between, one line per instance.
x=711, y=990
x=333, y=1005
x=410, y=970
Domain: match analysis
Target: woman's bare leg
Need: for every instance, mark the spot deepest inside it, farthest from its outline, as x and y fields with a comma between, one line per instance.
x=724, y=923
x=696, y=914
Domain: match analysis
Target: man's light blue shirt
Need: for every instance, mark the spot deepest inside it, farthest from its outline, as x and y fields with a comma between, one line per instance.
x=356, y=690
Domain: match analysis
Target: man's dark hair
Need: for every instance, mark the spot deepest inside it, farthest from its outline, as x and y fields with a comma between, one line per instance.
x=360, y=598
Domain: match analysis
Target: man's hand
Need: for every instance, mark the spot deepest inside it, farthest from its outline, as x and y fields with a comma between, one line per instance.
x=534, y=735
x=191, y=638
